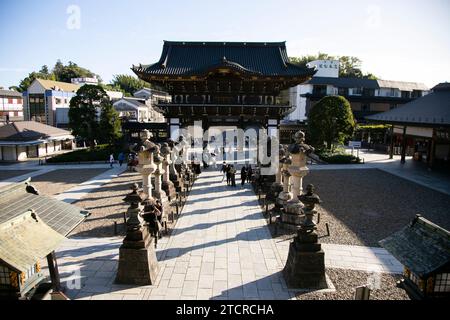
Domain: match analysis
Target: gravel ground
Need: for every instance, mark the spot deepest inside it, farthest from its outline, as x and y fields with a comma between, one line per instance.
x=362, y=207
x=8, y=174
x=106, y=207
x=346, y=281
x=57, y=181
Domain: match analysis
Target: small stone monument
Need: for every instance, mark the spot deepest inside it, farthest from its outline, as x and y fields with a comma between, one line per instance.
x=305, y=266
x=137, y=258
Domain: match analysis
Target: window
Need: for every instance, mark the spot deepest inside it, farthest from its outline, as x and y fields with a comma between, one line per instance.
x=4, y=276
x=365, y=107
x=343, y=91
x=319, y=90
x=356, y=91
x=442, y=283
x=415, y=279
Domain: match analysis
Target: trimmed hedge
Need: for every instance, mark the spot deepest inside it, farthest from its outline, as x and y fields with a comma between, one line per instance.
x=338, y=157
x=99, y=153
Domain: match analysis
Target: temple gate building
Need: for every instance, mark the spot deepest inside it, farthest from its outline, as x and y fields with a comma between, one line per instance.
x=239, y=84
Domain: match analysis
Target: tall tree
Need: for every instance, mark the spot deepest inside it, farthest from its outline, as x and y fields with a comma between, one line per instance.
x=330, y=121
x=65, y=73
x=43, y=73
x=128, y=84
x=83, y=112
x=60, y=72
x=110, y=126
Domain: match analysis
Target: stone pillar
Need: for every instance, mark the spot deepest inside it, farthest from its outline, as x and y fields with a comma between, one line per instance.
x=305, y=266
x=137, y=258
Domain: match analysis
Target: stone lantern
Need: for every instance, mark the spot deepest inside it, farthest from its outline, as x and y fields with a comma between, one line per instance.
x=292, y=216
x=146, y=164
x=174, y=176
x=167, y=185
x=305, y=266
x=159, y=193
x=137, y=258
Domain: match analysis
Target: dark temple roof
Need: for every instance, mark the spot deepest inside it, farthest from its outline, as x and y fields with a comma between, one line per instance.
x=422, y=246
x=198, y=58
x=431, y=109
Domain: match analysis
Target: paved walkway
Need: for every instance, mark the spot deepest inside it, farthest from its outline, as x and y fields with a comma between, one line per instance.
x=221, y=248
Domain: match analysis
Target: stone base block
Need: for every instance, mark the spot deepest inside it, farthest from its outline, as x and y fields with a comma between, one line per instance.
x=305, y=270
x=137, y=266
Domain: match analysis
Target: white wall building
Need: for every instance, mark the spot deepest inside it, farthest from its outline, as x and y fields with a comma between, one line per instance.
x=11, y=106
x=325, y=68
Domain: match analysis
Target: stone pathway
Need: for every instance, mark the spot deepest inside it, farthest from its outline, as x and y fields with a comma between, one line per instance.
x=221, y=248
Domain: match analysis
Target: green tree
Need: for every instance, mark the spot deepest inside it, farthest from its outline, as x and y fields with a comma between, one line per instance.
x=60, y=72
x=330, y=121
x=110, y=126
x=83, y=112
x=128, y=84
x=41, y=74
x=65, y=73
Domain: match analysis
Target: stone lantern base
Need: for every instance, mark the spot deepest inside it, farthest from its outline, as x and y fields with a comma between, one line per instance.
x=305, y=266
x=137, y=261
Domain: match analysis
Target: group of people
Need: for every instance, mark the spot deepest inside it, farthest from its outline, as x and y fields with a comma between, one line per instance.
x=229, y=172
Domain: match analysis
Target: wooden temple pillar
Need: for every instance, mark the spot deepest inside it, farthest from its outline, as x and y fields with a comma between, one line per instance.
x=432, y=151
x=391, y=149
x=403, y=154
x=54, y=272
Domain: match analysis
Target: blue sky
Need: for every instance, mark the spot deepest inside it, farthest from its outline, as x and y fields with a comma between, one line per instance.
x=397, y=40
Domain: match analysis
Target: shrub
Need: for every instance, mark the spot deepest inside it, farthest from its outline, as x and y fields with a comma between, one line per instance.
x=337, y=157
x=99, y=153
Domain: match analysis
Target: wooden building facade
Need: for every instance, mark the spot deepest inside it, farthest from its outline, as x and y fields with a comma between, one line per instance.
x=224, y=84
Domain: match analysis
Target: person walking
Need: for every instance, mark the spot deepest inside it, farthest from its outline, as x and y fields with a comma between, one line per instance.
x=233, y=176
x=121, y=158
x=249, y=173
x=243, y=175
x=111, y=160
x=228, y=172
x=224, y=170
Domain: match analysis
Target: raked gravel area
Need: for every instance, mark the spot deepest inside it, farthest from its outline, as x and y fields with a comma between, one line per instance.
x=363, y=207
x=57, y=181
x=345, y=282
x=106, y=207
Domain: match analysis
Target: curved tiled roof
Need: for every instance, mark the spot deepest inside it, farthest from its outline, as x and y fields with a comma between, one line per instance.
x=29, y=130
x=194, y=58
x=431, y=109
